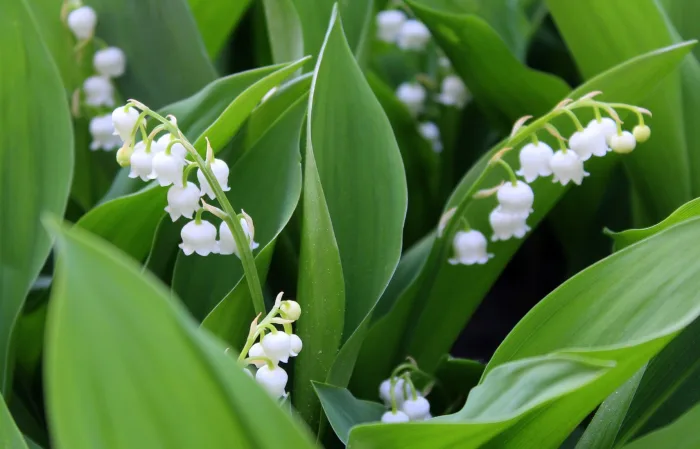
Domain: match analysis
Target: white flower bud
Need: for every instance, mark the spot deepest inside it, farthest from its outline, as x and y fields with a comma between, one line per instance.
x=453, y=92
x=534, y=161
x=110, y=62
x=182, y=201
x=444, y=62
x=431, y=133
x=102, y=132
x=416, y=409
x=413, y=35
x=470, y=248
x=82, y=22
x=141, y=163
x=567, y=167
x=400, y=393
x=161, y=144
x=277, y=346
x=390, y=417
x=413, y=96
x=124, y=155
x=227, y=244
x=295, y=345
x=198, y=238
x=220, y=170
x=291, y=310
x=98, y=91
x=623, y=143
x=506, y=225
x=641, y=133
x=125, y=121
x=588, y=142
x=257, y=351
x=516, y=199
x=606, y=126
x=272, y=380
x=167, y=169
x=389, y=24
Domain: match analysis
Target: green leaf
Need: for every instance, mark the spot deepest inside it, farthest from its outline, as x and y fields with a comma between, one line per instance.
x=508, y=395
x=166, y=60
x=10, y=436
x=216, y=20
x=681, y=434
x=682, y=13
x=36, y=162
x=163, y=361
x=284, y=30
x=454, y=378
x=344, y=411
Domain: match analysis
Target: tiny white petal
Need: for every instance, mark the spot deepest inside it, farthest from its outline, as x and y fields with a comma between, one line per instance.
x=82, y=22
x=198, y=238
x=623, y=143
x=506, y=225
x=182, y=201
x=567, y=167
x=413, y=96
x=534, y=161
x=413, y=35
x=277, y=346
x=606, y=126
x=124, y=122
x=470, y=248
x=272, y=380
x=227, y=244
x=416, y=409
x=168, y=169
x=99, y=91
x=389, y=25
x=110, y=61
x=295, y=345
x=141, y=163
x=391, y=417
x=516, y=199
x=221, y=171
x=400, y=393
x=257, y=351
x=102, y=132
x=453, y=92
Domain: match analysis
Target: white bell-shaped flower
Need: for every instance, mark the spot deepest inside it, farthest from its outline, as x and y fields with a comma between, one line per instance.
x=413, y=35
x=161, y=144
x=98, y=91
x=641, y=133
x=453, y=92
x=110, y=61
x=291, y=310
x=277, y=346
x=470, y=248
x=295, y=345
x=167, y=169
x=125, y=121
x=623, y=143
x=399, y=391
x=257, y=351
x=516, y=199
x=506, y=225
x=416, y=409
x=102, y=132
x=589, y=142
x=391, y=417
x=389, y=24
x=567, y=167
x=605, y=126
x=82, y=21
x=141, y=163
x=182, y=201
x=220, y=170
x=431, y=133
x=227, y=244
x=198, y=238
x=534, y=161
x=413, y=96
x=444, y=62
x=273, y=380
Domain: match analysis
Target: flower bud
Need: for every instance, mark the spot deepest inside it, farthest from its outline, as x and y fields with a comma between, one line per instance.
x=641, y=133
x=291, y=310
x=606, y=126
x=82, y=22
x=98, y=92
x=220, y=170
x=273, y=380
x=198, y=238
x=506, y=225
x=110, y=62
x=453, y=92
x=277, y=346
x=257, y=351
x=124, y=155
x=125, y=119
x=416, y=409
x=390, y=417
x=182, y=201
x=141, y=162
x=227, y=244
x=413, y=96
x=389, y=25
x=623, y=143
x=588, y=142
x=413, y=35
x=102, y=132
x=431, y=133
x=295, y=345
x=470, y=248
x=399, y=391
x=516, y=199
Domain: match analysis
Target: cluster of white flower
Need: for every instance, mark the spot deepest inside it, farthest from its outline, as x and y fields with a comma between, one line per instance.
x=272, y=348
x=164, y=159
x=537, y=159
x=98, y=90
x=394, y=27
x=404, y=402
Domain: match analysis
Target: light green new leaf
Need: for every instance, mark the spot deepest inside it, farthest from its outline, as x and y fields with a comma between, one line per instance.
x=216, y=20
x=681, y=434
x=10, y=436
x=126, y=367
x=36, y=161
x=344, y=411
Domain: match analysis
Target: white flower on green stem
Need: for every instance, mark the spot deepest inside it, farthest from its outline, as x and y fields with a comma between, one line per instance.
x=392, y=417
x=102, y=132
x=82, y=22
x=453, y=92
x=182, y=201
x=516, y=199
x=273, y=380
x=641, y=133
x=506, y=225
x=291, y=310
x=99, y=91
x=623, y=143
x=295, y=345
x=141, y=163
x=257, y=351
x=221, y=171
x=399, y=391
x=413, y=35
x=198, y=238
x=389, y=25
x=605, y=126
x=125, y=121
x=413, y=96
x=567, y=167
x=589, y=142
x=168, y=168
x=110, y=61
x=277, y=346
x=534, y=161
x=416, y=409
x=431, y=133
x=227, y=244
x=161, y=144
x=469, y=248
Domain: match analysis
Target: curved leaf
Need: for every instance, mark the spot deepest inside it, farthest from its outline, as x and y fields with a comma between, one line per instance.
x=10, y=436
x=216, y=20
x=681, y=434
x=344, y=411
x=284, y=30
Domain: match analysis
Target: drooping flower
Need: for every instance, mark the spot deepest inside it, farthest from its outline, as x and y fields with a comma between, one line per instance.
x=590, y=141
x=469, y=248
x=161, y=144
x=257, y=351
x=391, y=417
x=567, y=167
x=141, y=163
x=413, y=35
x=399, y=391
x=641, y=133
x=102, y=132
x=98, y=91
x=453, y=92
x=413, y=96
x=227, y=244
x=605, y=125
x=273, y=380
x=125, y=120
x=534, y=161
x=82, y=21
x=623, y=143
x=295, y=345
x=416, y=409
x=516, y=199
x=506, y=225
x=110, y=62
x=221, y=171
x=198, y=238
x=431, y=133
x=182, y=201
x=167, y=169
x=277, y=346
x=389, y=25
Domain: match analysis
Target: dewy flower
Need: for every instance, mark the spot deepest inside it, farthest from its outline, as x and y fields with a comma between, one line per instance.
x=257, y=351
x=413, y=35
x=641, y=133
x=413, y=96
x=168, y=168
x=470, y=248
x=198, y=238
x=182, y=201
x=431, y=133
x=391, y=417
x=110, y=62
x=605, y=125
x=516, y=199
x=277, y=346
x=453, y=92
x=623, y=143
x=588, y=142
x=567, y=167
x=295, y=345
x=534, y=161
x=141, y=163
x=82, y=22
x=98, y=91
x=507, y=225
x=102, y=132
x=227, y=244
x=416, y=409
x=220, y=170
x=124, y=121
x=389, y=24
x=399, y=391
x=273, y=380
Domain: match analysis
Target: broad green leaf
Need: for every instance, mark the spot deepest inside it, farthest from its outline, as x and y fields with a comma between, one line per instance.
x=681, y=434
x=284, y=30
x=454, y=378
x=508, y=395
x=10, y=436
x=448, y=295
x=36, y=162
x=682, y=13
x=164, y=361
x=344, y=411
x=166, y=59
x=216, y=20
x=625, y=308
